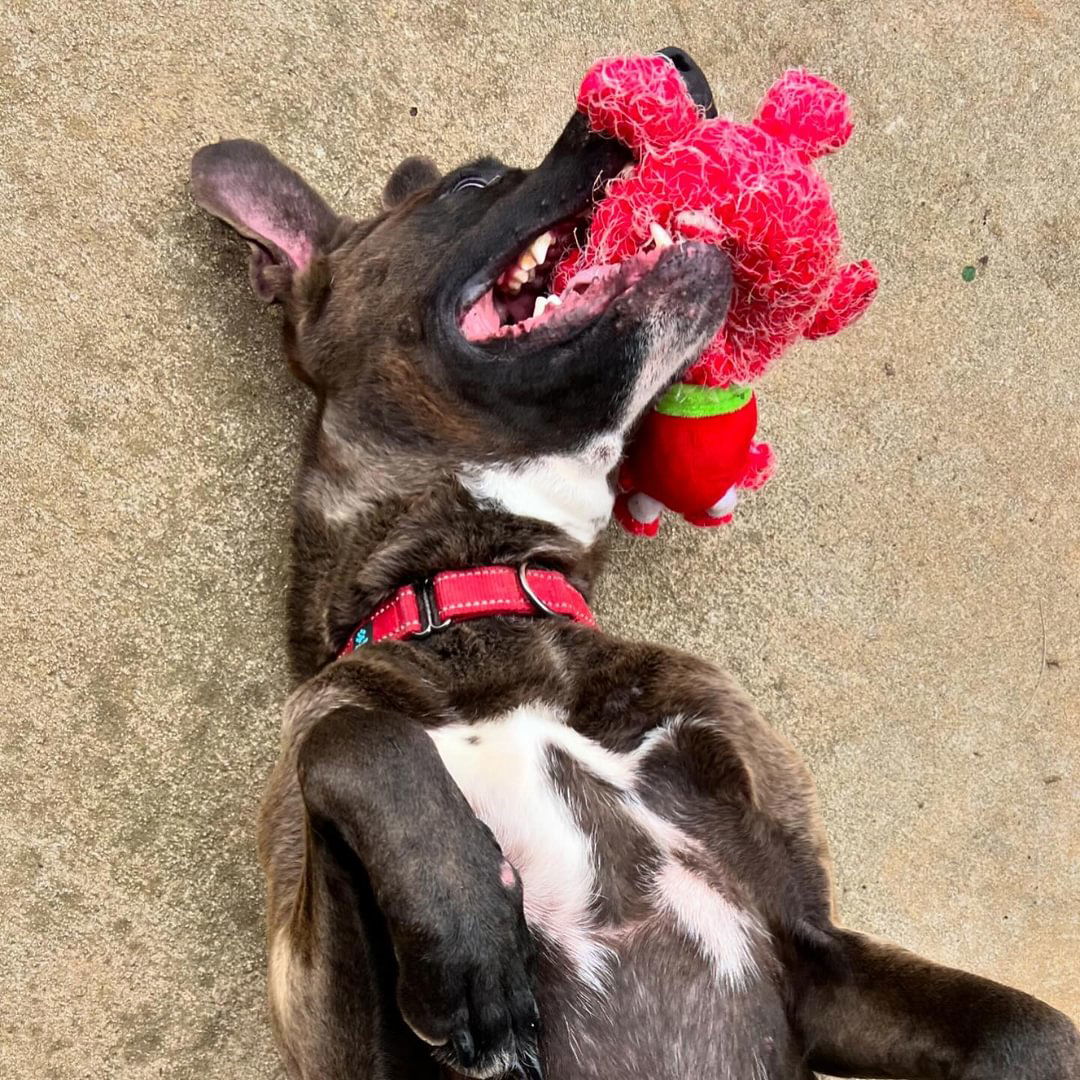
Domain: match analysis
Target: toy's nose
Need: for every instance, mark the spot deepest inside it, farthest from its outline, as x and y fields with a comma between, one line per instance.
x=694, y=78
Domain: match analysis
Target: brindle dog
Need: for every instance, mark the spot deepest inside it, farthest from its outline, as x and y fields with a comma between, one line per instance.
x=665, y=910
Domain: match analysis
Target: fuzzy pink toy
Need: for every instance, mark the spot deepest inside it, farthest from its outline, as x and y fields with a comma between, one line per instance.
x=752, y=190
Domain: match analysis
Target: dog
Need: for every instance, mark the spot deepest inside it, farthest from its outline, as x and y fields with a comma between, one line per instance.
x=499, y=842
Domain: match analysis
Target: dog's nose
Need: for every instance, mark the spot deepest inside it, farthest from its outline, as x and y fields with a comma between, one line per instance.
x=694, y=78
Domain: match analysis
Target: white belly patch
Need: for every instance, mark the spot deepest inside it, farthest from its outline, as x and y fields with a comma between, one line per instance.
x=501, y=766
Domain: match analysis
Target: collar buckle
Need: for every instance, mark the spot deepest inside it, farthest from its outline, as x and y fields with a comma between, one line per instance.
x=428, y=609
x=527, y=589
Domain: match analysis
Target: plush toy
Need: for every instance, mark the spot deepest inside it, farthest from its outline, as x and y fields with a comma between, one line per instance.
x=752, y=190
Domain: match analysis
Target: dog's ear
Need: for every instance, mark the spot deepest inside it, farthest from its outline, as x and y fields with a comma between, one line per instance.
x=285, y=222
x=412, y=175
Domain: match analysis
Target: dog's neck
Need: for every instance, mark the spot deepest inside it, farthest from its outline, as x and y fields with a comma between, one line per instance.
x=571, y=492
x=369, y=518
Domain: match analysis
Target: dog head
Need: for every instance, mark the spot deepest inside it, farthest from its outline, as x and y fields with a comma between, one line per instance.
x=416, y=327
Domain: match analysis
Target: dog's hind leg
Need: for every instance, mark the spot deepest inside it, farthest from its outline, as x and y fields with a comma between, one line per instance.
x=869, y=1009
x=331, y=978
x=408, y=926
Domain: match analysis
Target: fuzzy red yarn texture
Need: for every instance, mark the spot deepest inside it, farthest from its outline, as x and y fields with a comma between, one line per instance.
x=752, y=190
x=749, y=188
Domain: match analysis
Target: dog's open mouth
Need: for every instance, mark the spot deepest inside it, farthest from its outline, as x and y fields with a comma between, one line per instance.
x=521, y=299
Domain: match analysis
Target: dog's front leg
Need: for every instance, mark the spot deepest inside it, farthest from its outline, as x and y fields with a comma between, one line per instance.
x=452, y=904
x=870, y=1009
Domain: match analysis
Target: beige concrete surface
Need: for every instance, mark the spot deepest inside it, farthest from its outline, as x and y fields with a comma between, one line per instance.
x=903, y=600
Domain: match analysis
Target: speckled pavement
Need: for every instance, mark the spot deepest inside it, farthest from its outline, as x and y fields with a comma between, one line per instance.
x=903, y=600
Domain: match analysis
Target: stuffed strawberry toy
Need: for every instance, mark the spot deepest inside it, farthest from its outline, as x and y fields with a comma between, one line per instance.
x=752, y=190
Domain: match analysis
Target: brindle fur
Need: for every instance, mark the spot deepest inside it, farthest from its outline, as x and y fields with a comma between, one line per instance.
x=386, y=913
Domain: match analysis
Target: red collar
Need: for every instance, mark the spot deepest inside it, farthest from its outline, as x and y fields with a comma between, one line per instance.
x=456, y=595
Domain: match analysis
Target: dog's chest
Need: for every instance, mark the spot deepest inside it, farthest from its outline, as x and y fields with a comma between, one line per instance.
x=570, y=817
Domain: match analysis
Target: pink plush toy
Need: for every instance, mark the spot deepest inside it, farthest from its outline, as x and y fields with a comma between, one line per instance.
x=752, y=190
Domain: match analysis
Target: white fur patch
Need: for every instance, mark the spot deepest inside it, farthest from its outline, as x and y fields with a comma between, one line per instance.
x=505, y=779
x=714, y=924
x=570, y=491
x=279, y=962
x=502, y=767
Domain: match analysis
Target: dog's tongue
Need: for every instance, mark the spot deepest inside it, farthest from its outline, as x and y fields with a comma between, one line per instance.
x=481, y=320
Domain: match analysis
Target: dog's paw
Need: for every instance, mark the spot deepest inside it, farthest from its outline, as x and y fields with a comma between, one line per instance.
x=1038, y=1043
x=465, y=984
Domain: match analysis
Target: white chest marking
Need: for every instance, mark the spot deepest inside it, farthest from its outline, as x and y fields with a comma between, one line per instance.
x=501, y=766
x=571, y=491
x=505, y=778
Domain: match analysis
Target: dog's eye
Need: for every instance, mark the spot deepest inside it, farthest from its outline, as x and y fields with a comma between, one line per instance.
x=472, y=182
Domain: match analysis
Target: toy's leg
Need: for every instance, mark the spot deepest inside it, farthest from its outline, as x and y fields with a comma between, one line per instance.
x=638, y=513
x=719, y=513
x=725, y=506
x=759, y=466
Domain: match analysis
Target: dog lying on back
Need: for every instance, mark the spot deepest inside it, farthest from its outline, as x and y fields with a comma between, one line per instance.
x=499, y=842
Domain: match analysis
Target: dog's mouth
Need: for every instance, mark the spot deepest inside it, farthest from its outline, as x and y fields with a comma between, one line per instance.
x=522, y=299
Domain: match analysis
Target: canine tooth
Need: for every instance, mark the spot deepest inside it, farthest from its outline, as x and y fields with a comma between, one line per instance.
x=527, y=261
x=541, y=303
x=540, y=246
x=661, y=237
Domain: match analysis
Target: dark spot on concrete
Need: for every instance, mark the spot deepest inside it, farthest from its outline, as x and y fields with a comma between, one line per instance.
x=889, y=369
x=146, y=1035
x=1052, y=779
x=209, y=694
x=1053, y=662
x=143, y=827
x=984, y=261
x=977, y=753
x=79, y=420
x=211, y=1035
x=122, y=926
x=414, y=111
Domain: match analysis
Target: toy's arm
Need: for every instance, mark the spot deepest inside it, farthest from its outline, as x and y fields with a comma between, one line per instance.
x=852, y=292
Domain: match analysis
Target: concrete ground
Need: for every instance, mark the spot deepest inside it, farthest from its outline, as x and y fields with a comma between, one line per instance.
x=903, y=600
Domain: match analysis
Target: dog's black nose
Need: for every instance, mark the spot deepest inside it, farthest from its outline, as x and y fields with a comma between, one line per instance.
x=694, y=78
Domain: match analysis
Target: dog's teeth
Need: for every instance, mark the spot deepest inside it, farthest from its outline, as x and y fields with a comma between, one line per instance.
x=539, y=248
x=541, y=303
x=661, y=237
x=524, y=270
x=554, y=301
